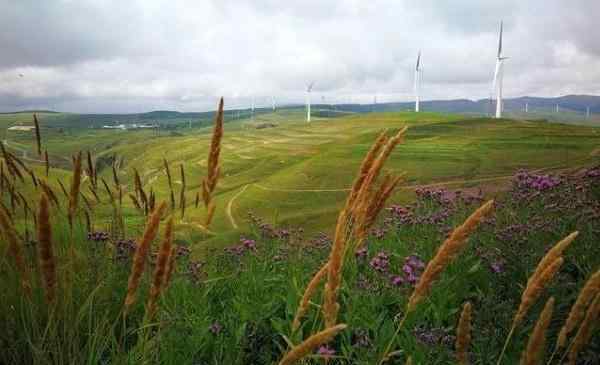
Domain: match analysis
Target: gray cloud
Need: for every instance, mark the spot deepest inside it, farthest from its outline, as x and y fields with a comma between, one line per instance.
x=116, y=56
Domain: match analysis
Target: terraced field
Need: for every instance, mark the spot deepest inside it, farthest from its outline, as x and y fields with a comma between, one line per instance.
x=297, y=173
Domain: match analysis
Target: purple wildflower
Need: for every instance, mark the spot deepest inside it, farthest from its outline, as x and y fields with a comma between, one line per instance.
x=215, y=328
x=325, y=350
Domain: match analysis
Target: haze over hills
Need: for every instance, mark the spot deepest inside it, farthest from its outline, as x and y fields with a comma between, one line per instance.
x=572, y=109
x=572, y=103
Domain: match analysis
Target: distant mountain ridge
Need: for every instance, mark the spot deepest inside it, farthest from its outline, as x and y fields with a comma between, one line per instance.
x=567, y=103
x=574, y=103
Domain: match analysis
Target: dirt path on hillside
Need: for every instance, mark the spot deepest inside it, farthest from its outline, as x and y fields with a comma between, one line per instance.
x=300, y=190
x=230, y=204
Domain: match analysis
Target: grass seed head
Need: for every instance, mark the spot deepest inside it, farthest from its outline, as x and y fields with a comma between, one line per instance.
x=447, y=253
x=536, y=346
x=160, y=270
x=45, y=250
x=311, y=288
x=141, y=253
x=584, y=334
x=310, y=344
x=534, y=289
x=590, y=289
x=14, y=249
x=463, y=335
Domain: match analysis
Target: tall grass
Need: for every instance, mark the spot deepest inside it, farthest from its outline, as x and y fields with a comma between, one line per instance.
x=77, y=295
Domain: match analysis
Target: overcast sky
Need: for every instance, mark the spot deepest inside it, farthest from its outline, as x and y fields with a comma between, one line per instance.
x=142, y=55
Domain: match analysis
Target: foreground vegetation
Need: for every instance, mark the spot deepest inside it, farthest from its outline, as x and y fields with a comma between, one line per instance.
x=447, y=278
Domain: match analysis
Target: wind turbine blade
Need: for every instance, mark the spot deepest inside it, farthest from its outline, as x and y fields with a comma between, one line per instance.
x=418, y=61
x=500, y=41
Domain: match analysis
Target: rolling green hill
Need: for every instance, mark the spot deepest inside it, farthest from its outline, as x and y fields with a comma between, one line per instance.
x=294, y=173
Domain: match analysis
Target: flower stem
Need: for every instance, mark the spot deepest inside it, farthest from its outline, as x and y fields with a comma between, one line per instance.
x=510, y=334
x=391, y=343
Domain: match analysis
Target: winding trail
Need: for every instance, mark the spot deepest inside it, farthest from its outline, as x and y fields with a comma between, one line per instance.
x=230, y=205
x=300, y=190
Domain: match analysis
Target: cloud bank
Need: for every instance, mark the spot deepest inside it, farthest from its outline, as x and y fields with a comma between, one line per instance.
x=132, y=56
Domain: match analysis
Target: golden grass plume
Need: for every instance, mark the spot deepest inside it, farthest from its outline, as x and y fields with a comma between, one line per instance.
x=45, y=250
x=334, y=272
x=75, y=188
x=584, y=334
x=536, y=346
x=446, y=253
x=38, y=137
x=463, y=335
x=162, y=261
x=534, y=289
x=307, y=346
x=14, y=249
x=309, y=292
x=141, y=253
x=590, y=289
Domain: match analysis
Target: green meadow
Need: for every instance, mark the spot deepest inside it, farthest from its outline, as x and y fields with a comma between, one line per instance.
x=293, y=173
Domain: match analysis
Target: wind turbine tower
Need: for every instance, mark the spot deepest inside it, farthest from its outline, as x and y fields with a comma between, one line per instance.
x=498, y=75
x=526, y=107
x=308, y=91
x=273, y=102
x=418, y=83
x=587, y=112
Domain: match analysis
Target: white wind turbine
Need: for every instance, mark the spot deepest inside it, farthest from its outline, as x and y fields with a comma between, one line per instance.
x=418, y=83
x=498, y=75
x=273, y=102
x=308, y=91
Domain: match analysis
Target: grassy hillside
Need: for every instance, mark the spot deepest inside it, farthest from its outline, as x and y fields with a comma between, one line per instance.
x=297, y=173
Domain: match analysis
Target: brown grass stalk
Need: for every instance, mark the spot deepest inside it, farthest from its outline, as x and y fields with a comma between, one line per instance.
x=91, y=171
x=115, y=174
x=49, y=192
x=536, y=346
x=182, y=191
x=160, y=270
x=590, y=289
x=135, y=202
x=375, y=169
x=140, y=256
x=170, y=182
x=109, y=192
x=463, y=335
x=555, y=252
x=62, y=188
x=45, y=250
x=209, y=183
x=75, y=188
x=171, y=263
x=365, y=167
x=33, y=178
x=334, y=271
x=210, y=213
x=92, y=190
x=38, y=137
x=446, y=254
x=584, y=334
x=46, y=162
x=307, y=347
x=14, y=249
x=309, y=292
x=533, y=291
